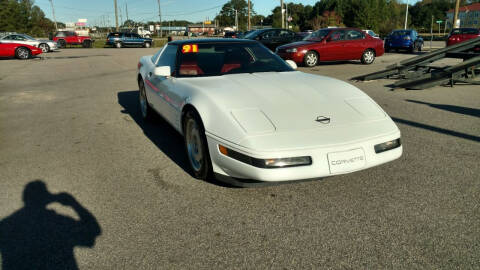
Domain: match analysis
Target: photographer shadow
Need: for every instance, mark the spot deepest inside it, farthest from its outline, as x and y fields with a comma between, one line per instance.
x=35, y=237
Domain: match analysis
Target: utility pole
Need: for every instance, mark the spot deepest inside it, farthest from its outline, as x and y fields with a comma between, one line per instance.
x=116, y=14
x=406, y=17
x=286, y=15
x=53, y=12
x=281, y=11
x=249, y=9
x=160, y=17
x=236, y=20
x=121, y=16
x=431, y=33
x=126, y=9
x=455, y=17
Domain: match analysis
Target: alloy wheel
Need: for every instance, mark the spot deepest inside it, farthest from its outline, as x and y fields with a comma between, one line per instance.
x=194, y=145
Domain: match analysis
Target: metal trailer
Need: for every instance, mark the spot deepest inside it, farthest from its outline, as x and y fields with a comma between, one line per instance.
x=418, y=73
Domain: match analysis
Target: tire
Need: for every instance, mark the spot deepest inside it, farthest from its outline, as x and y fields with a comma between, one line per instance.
x=420, y=47
x=196, y=146
x=23, y=53
x=147, y=45
x=368, y=57
x=147, y=112
x=86, y=44
x=310, y=59
x=62, y=43
x=44, y=47
x=387, y=49
x=118, y=45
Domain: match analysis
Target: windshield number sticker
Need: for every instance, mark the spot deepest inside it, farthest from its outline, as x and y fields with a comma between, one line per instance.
x=193, y=48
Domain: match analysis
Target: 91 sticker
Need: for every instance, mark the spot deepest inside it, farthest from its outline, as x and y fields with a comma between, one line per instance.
x=190, y=48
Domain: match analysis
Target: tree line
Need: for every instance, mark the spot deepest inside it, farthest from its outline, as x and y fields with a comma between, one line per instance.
x=24, y=17
x=381, y=16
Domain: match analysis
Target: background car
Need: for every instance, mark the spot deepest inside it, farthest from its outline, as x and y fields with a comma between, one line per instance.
x=461, y=34
x=71, y=38
x=20, y=51
x=273, y=37
x=371, y=33
x=122, y=39
x=247, y=116
x=403, y=40
x=44, y=45
x=333, y=44
x=232, y=34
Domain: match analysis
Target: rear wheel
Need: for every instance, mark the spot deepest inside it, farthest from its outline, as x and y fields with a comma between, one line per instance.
x=146, y=110
x=23, y=53
x=310, y=59
x=147, y=45
x=196, y=146
x=86, y=44
x=44, y=47
x=62, y=43
x=368, y=57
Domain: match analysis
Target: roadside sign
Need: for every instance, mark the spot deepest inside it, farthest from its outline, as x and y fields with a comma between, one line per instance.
x=439, y=21
x=151, y=27
x=207, y=22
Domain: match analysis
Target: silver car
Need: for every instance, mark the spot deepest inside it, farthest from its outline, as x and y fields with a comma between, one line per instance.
x=44, y=45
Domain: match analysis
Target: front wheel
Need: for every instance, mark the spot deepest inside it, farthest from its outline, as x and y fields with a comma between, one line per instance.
x=118, y=45
x=196, y=146
x=44, y=47
x=147, y=45
x=310, y=59
x=23, y=53
x=368, y=57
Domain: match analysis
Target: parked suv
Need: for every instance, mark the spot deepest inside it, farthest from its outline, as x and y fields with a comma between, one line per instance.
x=71, y=38
x=462, y=34
x=119, y=40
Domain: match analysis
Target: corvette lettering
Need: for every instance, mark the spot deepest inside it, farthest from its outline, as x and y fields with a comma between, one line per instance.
x=347, y=161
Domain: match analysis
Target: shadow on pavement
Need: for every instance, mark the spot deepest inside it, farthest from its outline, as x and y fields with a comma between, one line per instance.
x=161, y=133
x=437, y=129
x=450, y=108
x=35, y=237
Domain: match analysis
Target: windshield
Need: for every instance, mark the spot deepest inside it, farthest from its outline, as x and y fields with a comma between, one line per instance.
x=317, y=35
x=214, y=59
x=28, y=37
x=252, y=35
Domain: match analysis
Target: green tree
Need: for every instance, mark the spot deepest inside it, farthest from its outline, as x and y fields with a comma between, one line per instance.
x=226, y=17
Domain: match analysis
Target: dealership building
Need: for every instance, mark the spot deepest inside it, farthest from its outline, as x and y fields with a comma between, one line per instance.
x=469, y=16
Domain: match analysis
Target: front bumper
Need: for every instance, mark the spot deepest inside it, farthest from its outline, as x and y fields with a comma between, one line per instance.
x=295, y=57
x=228, y=168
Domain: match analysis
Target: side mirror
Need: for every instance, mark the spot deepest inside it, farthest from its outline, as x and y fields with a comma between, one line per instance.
x=292, y=64
x=162, y=71
x=258, y=38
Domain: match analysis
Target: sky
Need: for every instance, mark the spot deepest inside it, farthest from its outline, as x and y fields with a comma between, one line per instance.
x=100, y=12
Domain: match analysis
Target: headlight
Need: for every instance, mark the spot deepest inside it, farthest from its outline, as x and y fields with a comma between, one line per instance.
x=270, y=163
x=291, y=50
x=407, y=38
x=379, y=148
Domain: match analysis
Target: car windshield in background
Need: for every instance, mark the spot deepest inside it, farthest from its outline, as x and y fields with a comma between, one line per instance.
x=214, y=59
x=28, y=37
x=252, y=35
x=317, y=35
x=401, y=33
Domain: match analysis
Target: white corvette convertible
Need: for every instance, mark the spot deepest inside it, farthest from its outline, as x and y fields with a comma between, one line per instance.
x=248, y=117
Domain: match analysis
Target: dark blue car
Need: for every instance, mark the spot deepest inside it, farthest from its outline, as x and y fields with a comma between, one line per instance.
x=403, y=40
x=119, y=40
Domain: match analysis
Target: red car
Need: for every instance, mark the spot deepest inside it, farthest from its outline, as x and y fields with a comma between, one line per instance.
x=71, y=38
x=20, y=51
x=333, y=44
x=461, y=34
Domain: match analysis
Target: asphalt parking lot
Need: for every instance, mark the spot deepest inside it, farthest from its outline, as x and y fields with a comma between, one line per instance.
x=71, y=120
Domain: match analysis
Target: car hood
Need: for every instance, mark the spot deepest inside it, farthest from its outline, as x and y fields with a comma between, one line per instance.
x=297, y=44
x=290, y=104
